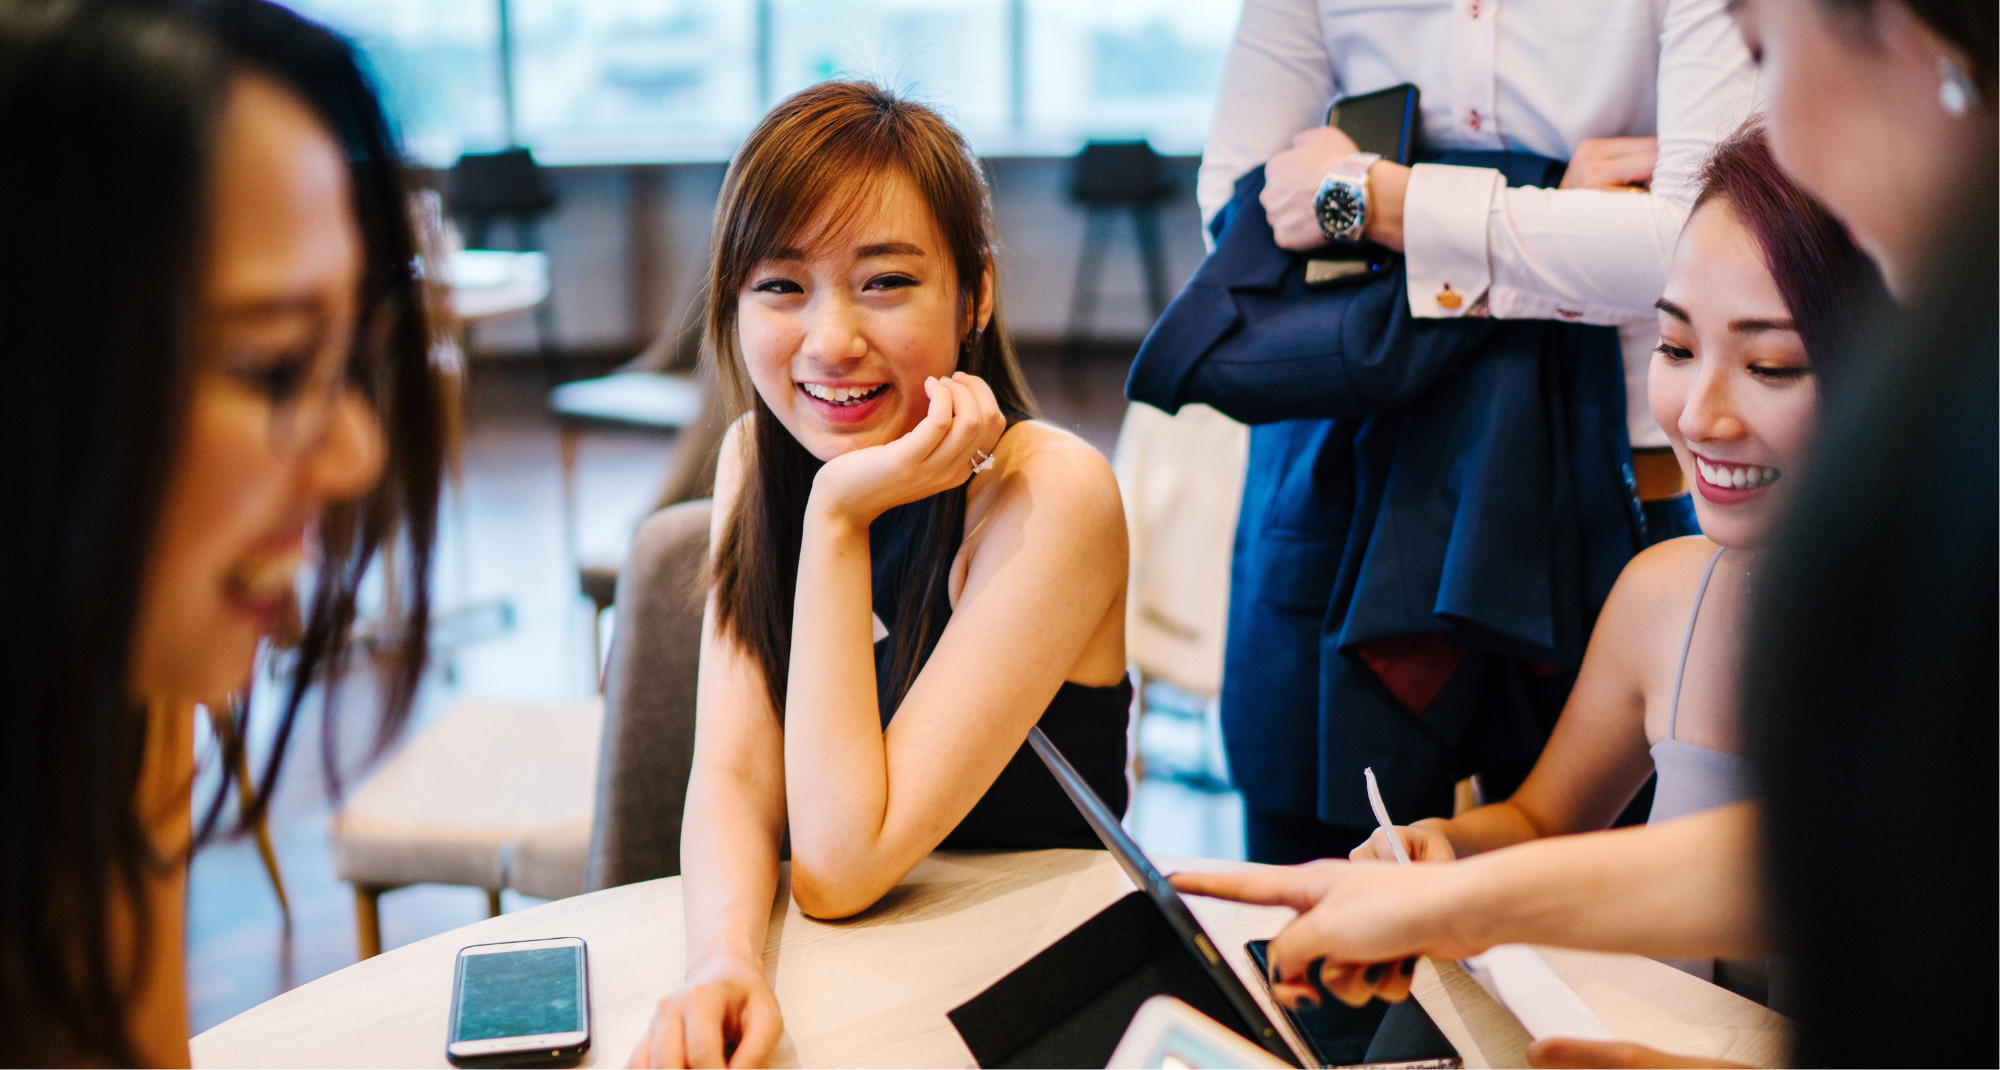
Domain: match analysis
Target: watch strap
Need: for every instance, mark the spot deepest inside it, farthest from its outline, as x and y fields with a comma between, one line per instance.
x=1356, y=166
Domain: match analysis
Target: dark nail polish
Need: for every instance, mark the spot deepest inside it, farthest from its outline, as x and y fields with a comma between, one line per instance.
x=1373, y=974
x=1410, y=966
x=1313, y=971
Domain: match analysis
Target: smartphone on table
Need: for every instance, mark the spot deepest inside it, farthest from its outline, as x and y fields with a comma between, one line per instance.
x=524, y=1003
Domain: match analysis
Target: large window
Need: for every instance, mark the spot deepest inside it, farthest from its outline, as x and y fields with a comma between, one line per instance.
x=609, y=80
x=438, y=64
x=1137, y=68
x=634, y=81
x=950, y=53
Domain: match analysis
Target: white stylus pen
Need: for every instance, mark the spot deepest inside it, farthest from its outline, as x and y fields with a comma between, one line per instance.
x=1382, y=817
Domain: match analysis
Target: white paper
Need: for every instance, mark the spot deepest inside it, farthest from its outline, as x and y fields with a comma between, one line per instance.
x=1521, y=981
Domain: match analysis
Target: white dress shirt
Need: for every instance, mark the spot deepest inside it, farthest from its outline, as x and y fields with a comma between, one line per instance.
x=1534, y=75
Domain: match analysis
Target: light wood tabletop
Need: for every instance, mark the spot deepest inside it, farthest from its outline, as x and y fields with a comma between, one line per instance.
x=873, y=990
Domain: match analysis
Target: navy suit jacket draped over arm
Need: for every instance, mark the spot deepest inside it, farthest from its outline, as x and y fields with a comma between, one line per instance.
x=1465, y=480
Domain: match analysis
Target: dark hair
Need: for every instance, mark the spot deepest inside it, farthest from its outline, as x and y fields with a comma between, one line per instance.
x=1968, y=25
x=1833, y=291
x=109, y=115
x=1869, y=707
x=820, y=150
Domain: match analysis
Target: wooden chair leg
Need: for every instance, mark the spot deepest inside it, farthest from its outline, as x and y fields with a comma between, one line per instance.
x=246, y=793
x=368, y=920
x=568, y=439
x=597, y=642
x=492, y=902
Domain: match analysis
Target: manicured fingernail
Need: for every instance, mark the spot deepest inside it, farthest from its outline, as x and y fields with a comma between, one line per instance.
x=1373, y=974
x=1314, y=971
x=1410, y=966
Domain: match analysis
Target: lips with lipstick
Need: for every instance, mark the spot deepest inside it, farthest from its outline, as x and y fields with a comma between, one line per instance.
x=842, y=395
x=1735, y=476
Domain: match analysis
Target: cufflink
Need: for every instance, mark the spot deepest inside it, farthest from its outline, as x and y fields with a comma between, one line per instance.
x=1448, y=299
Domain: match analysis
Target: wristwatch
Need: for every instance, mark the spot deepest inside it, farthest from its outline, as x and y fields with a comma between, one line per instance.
x=1342, y=203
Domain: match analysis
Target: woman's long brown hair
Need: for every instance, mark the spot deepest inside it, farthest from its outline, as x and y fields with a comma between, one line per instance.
x=820, y=151
x=109, y=113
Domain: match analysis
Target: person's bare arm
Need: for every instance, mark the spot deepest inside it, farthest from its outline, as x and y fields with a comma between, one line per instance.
x=734, y=822
x=1598, y=755
x=867, y=805
x=1685, y=888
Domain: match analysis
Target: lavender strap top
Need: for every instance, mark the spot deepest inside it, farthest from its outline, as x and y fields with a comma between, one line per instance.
x=1694, y=778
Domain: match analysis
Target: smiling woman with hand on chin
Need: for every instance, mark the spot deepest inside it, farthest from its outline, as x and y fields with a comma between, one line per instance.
x=908, y=571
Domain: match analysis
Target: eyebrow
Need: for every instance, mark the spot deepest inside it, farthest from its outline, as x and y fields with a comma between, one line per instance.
x=887, y=248
x=1760, y=326
x=1747, y=326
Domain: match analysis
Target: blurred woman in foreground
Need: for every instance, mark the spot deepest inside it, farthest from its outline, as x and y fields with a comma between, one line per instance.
x=216, y=367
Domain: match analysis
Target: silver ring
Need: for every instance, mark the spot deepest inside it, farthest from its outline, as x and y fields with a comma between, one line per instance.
x=981, y=460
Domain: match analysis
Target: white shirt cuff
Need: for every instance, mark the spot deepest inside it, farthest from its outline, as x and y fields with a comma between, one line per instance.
x=1445, y=215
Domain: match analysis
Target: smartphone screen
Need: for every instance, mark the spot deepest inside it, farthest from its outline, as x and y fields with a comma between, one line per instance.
x=526, y=996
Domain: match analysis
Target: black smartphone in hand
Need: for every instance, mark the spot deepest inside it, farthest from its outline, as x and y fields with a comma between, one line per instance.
x=1388, y=124
x=524, y=1003
x=1385, y=122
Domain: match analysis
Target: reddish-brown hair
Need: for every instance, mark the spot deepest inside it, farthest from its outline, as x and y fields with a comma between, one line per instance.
x=819, y=155
x=1831, y=288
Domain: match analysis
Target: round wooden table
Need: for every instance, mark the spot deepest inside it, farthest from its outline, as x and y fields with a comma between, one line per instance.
x=873, y=990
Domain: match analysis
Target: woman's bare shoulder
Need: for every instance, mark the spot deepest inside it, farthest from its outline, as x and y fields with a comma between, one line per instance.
x=1035, y=456
x=1050, y=480
x=1661, y=579
x=732, y=461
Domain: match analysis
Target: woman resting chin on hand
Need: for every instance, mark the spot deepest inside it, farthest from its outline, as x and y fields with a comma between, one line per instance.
x=1764, y=290
x=885, y=469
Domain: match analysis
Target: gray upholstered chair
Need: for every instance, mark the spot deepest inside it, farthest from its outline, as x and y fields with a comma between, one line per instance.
x=455, y=803
x=648, y=742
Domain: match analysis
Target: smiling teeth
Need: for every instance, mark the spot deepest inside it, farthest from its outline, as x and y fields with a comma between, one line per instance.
x=1736, y=477
x=841, y=395
x=265, y=579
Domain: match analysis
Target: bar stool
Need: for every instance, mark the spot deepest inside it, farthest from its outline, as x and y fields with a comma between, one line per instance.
x=1110, y=178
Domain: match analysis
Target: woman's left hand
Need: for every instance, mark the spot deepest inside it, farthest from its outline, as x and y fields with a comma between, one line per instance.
x=935, y=456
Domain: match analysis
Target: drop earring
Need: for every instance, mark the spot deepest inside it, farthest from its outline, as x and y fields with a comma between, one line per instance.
x=1956, y=91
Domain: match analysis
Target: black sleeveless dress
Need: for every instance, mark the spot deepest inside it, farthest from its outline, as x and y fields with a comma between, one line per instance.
x=1026, y=809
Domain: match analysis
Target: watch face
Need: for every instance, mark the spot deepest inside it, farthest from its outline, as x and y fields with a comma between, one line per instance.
x=1340, y=209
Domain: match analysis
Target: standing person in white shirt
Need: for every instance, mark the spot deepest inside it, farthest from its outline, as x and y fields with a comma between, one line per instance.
x=1634, y=94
